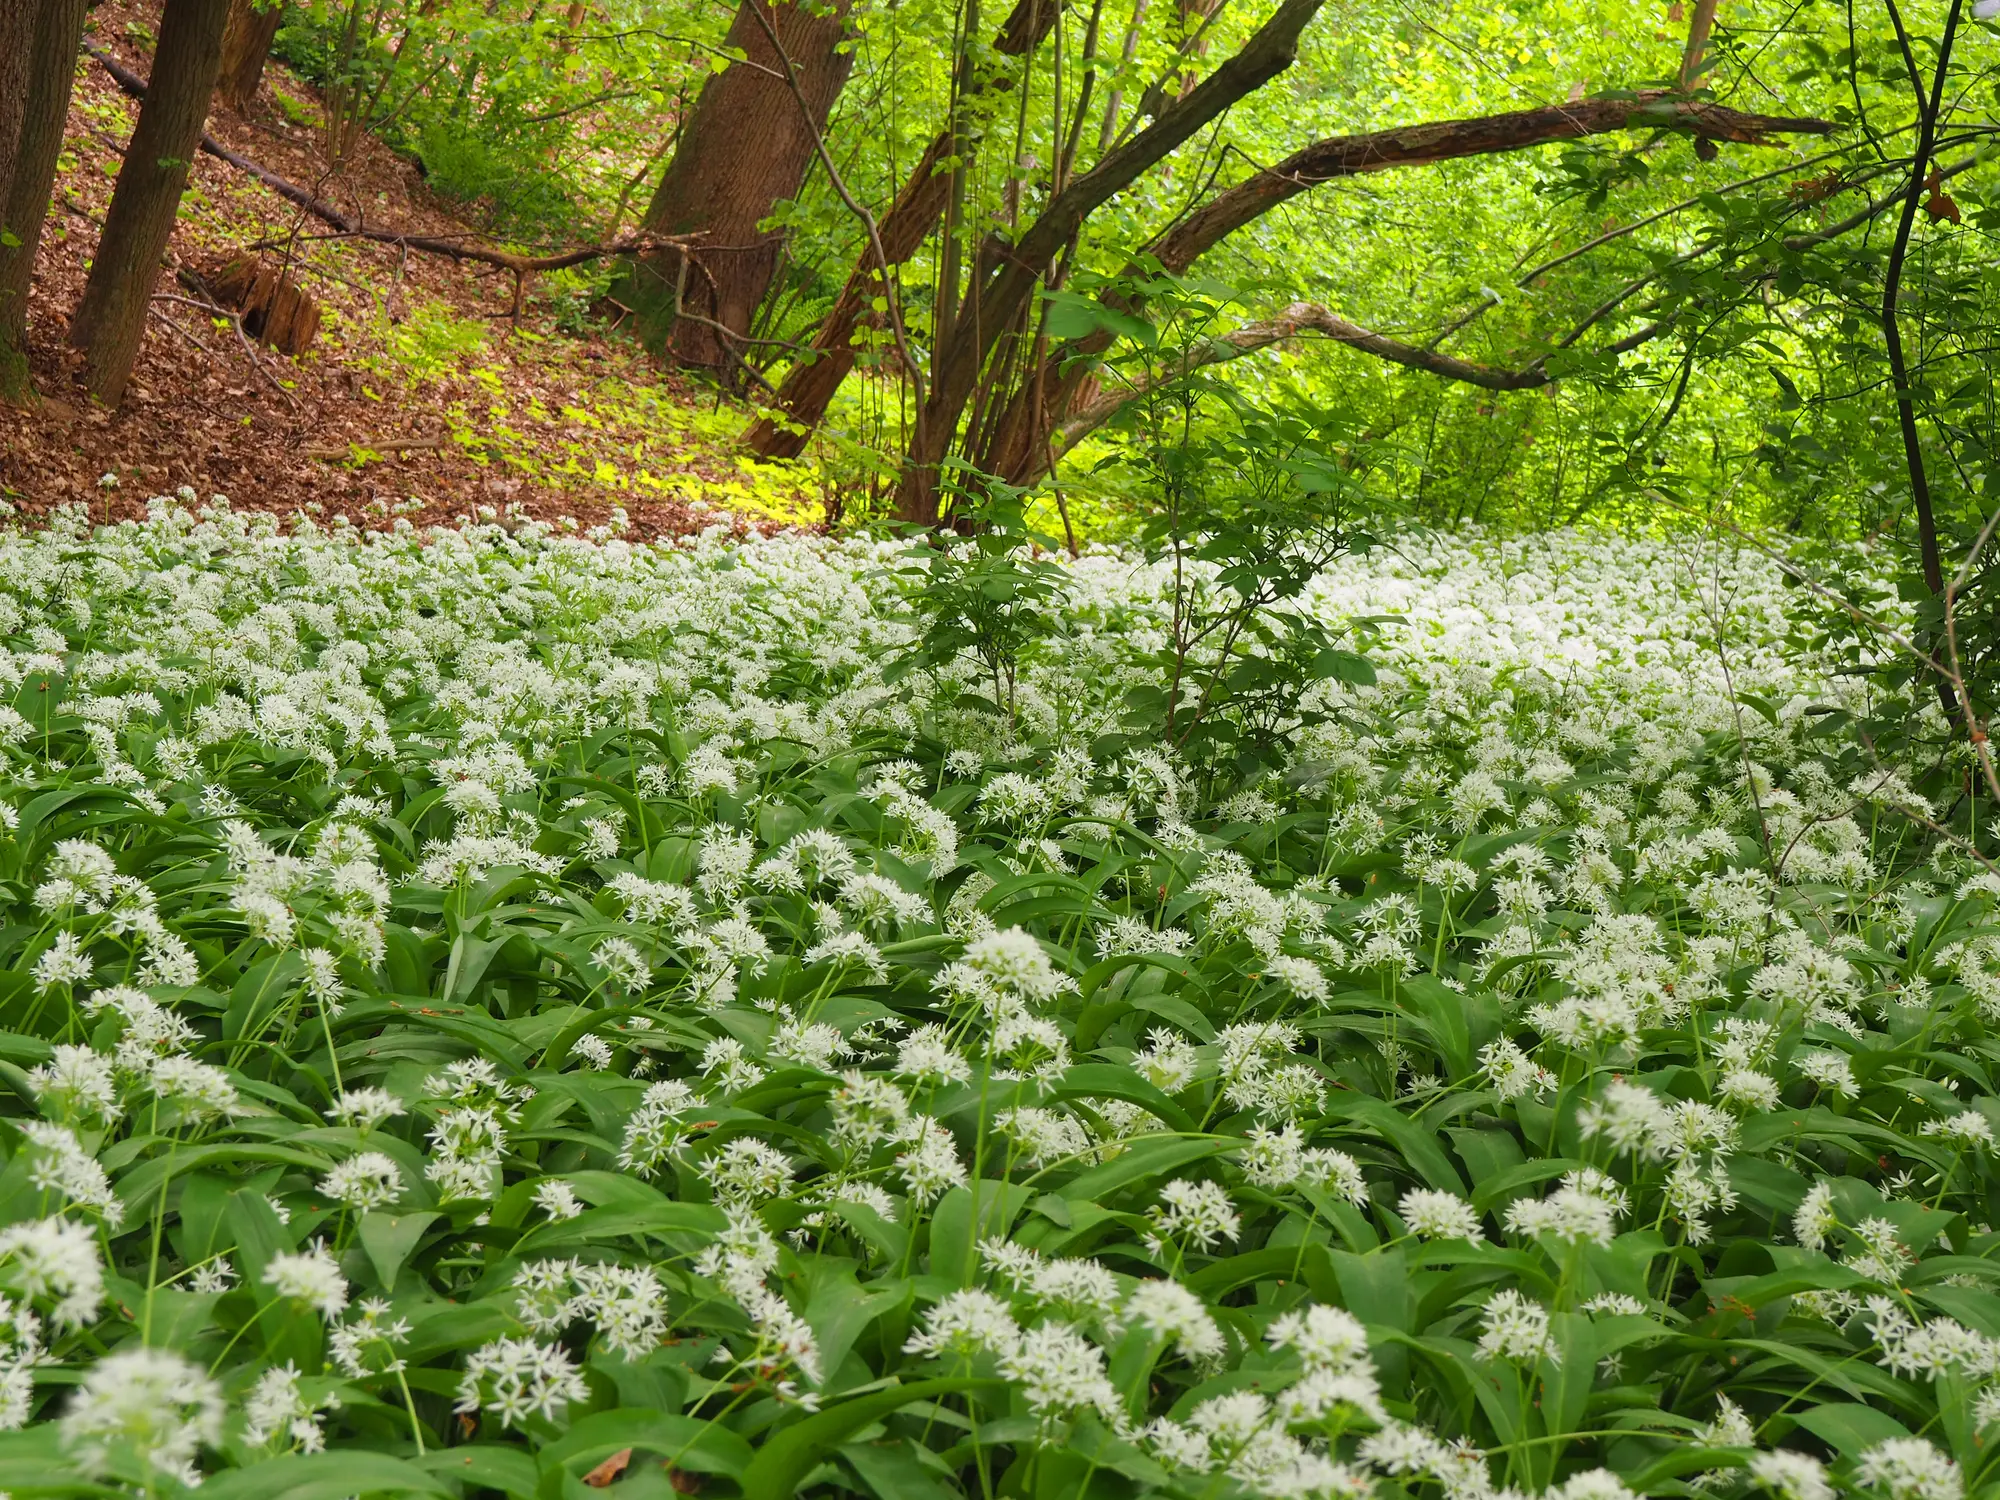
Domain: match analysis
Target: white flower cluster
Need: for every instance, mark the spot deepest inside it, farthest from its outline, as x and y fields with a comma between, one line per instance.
x=497, y=977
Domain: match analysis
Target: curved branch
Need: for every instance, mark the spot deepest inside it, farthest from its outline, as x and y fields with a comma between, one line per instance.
x=1309, y=319
x=1018, y=447
x=1446, y=140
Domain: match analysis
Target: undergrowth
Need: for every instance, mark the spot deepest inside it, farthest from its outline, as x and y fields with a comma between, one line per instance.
x=492, y=1013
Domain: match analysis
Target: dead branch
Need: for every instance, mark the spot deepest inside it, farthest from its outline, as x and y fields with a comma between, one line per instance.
x=372, y=445
x=349, y=227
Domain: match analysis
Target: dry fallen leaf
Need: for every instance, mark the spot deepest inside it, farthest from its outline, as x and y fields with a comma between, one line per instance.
x=600, y=1477
x=1940, y=204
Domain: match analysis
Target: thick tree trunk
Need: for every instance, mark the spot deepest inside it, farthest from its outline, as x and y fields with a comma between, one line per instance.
x=246, y=45
x=809, y=389
x=1019, y=448
x=17, y=36
x=110, y=317
x=24, y=194
x=746, y=148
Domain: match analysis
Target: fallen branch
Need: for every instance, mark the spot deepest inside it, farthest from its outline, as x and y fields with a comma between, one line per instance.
x=349, y=227
x=208, y=304
x=400, y=445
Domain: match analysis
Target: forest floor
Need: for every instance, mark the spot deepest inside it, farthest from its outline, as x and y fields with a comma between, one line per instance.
x=543, y=414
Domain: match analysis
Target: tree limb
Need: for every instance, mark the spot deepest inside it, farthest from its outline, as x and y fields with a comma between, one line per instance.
x=809, y=387
x=1446, y=140
x=1006, y=274
x=1018, y=448
x=1309, y=319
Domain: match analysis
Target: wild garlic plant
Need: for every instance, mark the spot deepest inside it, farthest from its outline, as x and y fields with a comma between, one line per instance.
x=489, y=1011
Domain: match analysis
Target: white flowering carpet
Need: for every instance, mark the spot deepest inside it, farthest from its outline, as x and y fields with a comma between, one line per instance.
x=496, y=1014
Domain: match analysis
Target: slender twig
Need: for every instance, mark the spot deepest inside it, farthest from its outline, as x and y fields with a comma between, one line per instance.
x=235, y=321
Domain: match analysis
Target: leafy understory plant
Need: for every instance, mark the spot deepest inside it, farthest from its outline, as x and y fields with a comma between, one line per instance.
x=496, y=1013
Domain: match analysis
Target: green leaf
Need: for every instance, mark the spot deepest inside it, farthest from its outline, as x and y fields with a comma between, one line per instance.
x=783, y=1462
x=1147, y=1162
x=1417, y=1143
x=705, y=1447
x=389, y=1239
x=894, y=1471
x=982, y=1209
x=488, y=1466
x=324, y=1476
x=1850, y=1427
x=1102, y=1080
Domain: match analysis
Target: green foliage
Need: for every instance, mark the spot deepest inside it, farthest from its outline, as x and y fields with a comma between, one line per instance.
x=521, y=1014
x=467, y=165
x=981, y=597
x=1246, y=506
x=429, y=340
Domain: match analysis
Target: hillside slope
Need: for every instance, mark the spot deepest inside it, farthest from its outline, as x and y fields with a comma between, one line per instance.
x=413, y=350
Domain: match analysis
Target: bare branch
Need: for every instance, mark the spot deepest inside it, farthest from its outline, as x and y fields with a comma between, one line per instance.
x=352, y=228
x=1299, y=320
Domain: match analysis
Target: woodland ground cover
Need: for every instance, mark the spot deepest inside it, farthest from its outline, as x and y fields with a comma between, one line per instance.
x=499, y=1012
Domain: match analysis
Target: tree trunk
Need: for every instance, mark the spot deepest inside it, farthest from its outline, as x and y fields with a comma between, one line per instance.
x=1699, y=25
x=809, y=389
x=110, y=317
x=246, y=44
x=24, y=194
x=17, y=35
x=1005, y=275
x=746, y=148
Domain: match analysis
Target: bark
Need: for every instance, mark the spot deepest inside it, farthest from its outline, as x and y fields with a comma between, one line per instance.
x=246, y=45
x=1699, y=26
x=1005, y=275
x=110, y=317
x=17, y=35
x=1019, y=449
x=747, y=146
x=24, y=197
x=808, y=390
